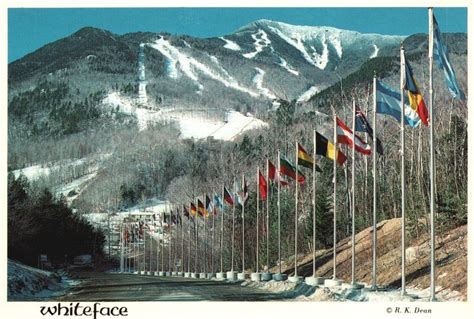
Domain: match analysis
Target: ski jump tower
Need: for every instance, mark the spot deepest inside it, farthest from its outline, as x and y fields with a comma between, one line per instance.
x=142, y=98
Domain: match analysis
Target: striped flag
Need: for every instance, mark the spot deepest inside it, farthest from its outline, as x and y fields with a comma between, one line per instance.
x=345, y=136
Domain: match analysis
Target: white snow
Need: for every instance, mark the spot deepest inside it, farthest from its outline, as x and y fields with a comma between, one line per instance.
x=260, y=41
x=286, y=66
x=189, y=66
x=78, y=185
x=258, y=80
x=308, y=94
x=322, y=59
x=375, y=53
x=235, y=124
x=231, y=45
x=32, y=172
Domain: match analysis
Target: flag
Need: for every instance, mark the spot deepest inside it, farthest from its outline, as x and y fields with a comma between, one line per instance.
x=274, y=176
x=209, y=206
x=201, y=210
x=228, y=198
x=414, y=95
x=185, y=212
x=262, y=185
x=441, y=56
x=243, y=194
x=305, y=160
x=288, y=169
x=362, y=125
x=193, y=209
x=218, y=205
x=345, y=136
x=326, y=149
x=388, y=102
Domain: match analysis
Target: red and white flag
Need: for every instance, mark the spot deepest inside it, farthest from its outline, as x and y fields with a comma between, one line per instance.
x=345, y=136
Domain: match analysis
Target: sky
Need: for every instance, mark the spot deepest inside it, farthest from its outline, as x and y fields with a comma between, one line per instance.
x=30, y=29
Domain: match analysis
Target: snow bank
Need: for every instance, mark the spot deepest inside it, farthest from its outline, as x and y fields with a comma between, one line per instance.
x=375, y=53
x=27, y=283
x=258, y=80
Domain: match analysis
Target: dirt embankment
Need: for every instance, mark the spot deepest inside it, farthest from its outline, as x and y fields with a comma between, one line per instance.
x=451, y=259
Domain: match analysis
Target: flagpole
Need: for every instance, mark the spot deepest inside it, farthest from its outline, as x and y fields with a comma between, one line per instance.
x=353, y=193
x=296, y=210
x=432, y=163
x=258, y=194
x=212, y=246
x=182, y=238
x=243, y=225
x=279, y=214
x=157, y=252
x=374, y=170
x=196, y=247
x=314, y=203
x=205, y=236
x=402, y=142
x=162, y=243
x=268, y=217
x=222, y=232
x=335, y=192
x=189, y=240
x=233, y=228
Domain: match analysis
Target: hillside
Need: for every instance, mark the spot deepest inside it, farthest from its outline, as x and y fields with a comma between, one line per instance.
x=451, y=258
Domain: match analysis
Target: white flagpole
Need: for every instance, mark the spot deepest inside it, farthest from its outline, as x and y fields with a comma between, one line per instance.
x=374, y=170
x=196, y=227
x=314, y=203
x=212, y=234
x=233, y=226
x=243, y=224
x=335, y=192
x=432, y=163
x=402, y=142
x=205, y=236
x=162, y=243
x=222, y=232
x=268, y=217
x=296, y=210
x=189, y=240
x=353, y=192
x=258, y=194
x=279, y=213
x=182, y=237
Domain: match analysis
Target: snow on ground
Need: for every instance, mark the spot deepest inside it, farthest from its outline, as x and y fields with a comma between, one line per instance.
x=189, y=66
x=77, y=186
x=258, y=80
x=309, y=94
x=322, y=59
x=28, y=283
x=287, y=67
x=231, y=45
x=260, y=41
x=375, y=53
x=303, y=292
x=43, y=170
x=236, y=124
x=335, y=40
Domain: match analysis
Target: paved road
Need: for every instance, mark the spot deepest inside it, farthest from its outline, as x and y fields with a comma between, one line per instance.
x=129, y=287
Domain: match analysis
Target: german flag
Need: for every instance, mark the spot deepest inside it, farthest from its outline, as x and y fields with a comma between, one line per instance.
x=201, y=210
x=326, y=149
x=288, y=169
x=305, y=160
x=193, y=209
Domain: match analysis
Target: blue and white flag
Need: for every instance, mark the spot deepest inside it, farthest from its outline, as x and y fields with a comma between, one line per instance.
x=440, y=55
x=388, y=102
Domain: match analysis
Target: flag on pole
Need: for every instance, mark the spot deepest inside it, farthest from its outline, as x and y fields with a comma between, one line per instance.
x=243, y=194
x=228, y=198
x=305, y=160
x=209, y=206
x=326, y=149
x=414, y=95
x=441, y=56
x=345, y=136
x=201, y=210
x=262, y=185
x=362, y=125
x=388, y=102
x=288, y=169
x=185, y=212
x=274, y=176
x=218, y=204
x=193, y=209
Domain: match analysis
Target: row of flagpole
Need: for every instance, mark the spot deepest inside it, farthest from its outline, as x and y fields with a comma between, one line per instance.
x=391, y=103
